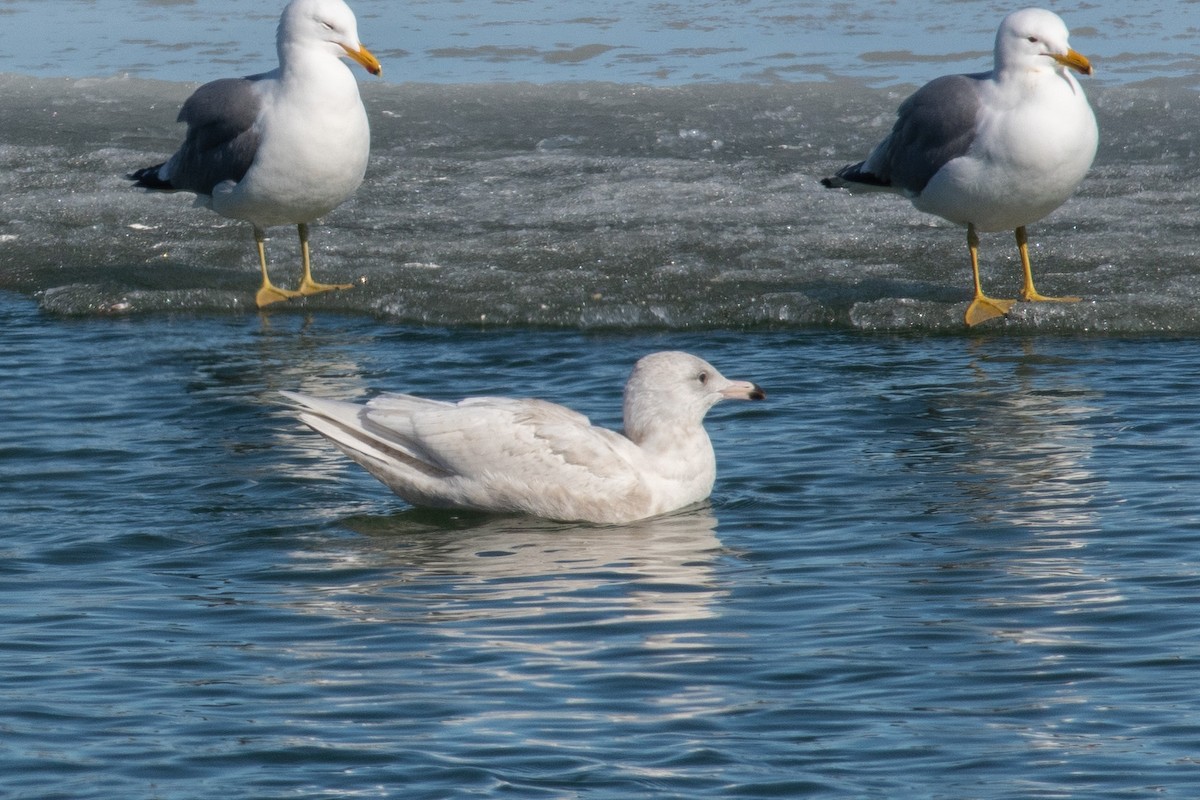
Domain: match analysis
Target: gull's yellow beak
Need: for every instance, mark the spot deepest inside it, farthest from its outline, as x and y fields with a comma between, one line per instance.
x=1075, y=61
x=371, y=64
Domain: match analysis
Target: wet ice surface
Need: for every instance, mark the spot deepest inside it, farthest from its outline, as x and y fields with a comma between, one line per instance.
x=597, y=205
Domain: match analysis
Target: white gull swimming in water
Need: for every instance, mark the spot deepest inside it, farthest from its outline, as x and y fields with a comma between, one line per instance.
x=993, y=151
x=510, y=455
x=284, y=147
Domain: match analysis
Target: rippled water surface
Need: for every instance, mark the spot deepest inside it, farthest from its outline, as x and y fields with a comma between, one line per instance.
x=937, y=563
x=627, y=41
x=932, y=567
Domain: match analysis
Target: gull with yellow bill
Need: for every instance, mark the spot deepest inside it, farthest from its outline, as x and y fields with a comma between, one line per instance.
x=992, y=151
x=281, y=148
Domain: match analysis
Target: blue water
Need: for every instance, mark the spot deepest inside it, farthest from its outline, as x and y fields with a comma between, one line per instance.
x=932, y=567
x=937, y=563
x=626, y=41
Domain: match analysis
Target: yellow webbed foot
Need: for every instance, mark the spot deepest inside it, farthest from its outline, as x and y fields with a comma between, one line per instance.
x=269, y=293
x=983, y=308
x=309, y=286
x=1034, y=297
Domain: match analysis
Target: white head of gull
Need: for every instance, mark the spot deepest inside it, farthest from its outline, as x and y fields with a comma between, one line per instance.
x=993, y=151
x=284, y=147
x=509, y=455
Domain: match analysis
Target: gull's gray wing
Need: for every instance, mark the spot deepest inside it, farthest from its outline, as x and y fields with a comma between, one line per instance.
x=222, y=138
x=933, y=126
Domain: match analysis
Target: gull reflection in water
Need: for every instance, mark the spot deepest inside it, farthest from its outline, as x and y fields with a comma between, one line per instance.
x=516, y=627
x=1010, y=445
x=467, y=566
x=1008, y=453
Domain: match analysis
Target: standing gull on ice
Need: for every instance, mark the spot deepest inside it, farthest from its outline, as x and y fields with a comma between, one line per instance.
x=511, y=455
x=284, y=147
x=993, y=151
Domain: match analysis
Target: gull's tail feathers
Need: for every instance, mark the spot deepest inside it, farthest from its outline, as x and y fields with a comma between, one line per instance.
x=384, y=453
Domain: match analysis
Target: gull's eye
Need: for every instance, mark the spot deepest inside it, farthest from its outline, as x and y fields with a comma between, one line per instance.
x=1032, y=39
x=703, y=378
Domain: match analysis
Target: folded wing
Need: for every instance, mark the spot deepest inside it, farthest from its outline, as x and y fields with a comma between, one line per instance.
x=491, y=454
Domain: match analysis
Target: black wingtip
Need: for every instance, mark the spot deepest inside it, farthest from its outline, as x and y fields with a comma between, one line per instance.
x=147, y=178
x=854, y=173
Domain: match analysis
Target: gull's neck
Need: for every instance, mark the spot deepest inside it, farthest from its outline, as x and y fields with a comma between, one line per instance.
x=315, y=71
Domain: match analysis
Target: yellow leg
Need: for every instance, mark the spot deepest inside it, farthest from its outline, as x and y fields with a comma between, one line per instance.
x=1028, y=292
x=268, y=293
x=982, y=307
x=307, y=284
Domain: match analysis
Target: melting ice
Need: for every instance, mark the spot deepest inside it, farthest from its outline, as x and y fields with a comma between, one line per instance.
x=599, y=206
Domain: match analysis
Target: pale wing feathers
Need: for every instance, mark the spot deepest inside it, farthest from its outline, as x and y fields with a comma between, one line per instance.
x=342, y=423
x=499, y=434
x=496, y=454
